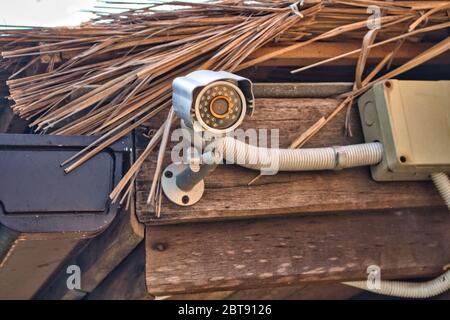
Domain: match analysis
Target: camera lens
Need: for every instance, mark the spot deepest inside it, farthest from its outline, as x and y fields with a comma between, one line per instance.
x=220, y=106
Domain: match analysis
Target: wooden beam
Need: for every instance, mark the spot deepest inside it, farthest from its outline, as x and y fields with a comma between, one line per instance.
x=126, y=282
x=293, y=193
x=324, y=50
x=96, y=260
x=310, y=291
x=237, y=255
x=300, y=90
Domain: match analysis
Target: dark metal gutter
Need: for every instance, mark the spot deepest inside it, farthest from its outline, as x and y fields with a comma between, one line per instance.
x=45, y=213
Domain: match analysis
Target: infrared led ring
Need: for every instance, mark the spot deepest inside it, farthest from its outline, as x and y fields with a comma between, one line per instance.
x=220, y=106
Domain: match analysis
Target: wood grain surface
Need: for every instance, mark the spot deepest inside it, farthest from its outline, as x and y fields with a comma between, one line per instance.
x=236, y=255
x=227, y=195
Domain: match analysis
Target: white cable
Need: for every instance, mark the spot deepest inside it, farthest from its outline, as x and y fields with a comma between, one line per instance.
x=420, y=290
x=332, y=158
x=416, y=290
x=442, y=183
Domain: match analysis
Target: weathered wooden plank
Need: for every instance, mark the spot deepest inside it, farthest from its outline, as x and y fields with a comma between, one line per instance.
x=338, y=73
x=96, y=260
x=324, y=50
x=236, y=255
x=126, y=282
x=289, y=193
x=300, y=90
x=310, y=291
x=28, y=264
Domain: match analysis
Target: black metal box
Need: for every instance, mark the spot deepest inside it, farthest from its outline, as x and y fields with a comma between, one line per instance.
x=46, y=213
x=36, y=195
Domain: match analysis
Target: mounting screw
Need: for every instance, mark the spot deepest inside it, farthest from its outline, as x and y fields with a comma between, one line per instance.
x=160, y=247
x=168, y=174
x=388, y=84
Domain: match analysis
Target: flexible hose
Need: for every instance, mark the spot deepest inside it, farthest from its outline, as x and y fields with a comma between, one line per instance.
x=334, y=158
x=416, y=290
x=331, y=158
x=409, y=289
x=442, y=183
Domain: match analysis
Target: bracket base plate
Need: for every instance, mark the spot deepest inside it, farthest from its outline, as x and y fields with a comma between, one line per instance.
x=174, y=193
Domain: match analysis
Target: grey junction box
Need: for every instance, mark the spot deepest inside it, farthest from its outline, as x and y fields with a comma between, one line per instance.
x=412, y=121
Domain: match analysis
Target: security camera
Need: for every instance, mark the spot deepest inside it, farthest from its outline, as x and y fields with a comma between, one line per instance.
x=212, y=101
x=205, y=101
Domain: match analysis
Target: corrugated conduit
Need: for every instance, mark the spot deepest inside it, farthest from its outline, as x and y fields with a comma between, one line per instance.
x=411, y=290
x=442, y=183
x=416, y=290
x=334, y=158
x=331, y=158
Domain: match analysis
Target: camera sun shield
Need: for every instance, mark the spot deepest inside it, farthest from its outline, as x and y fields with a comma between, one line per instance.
x=213, y=101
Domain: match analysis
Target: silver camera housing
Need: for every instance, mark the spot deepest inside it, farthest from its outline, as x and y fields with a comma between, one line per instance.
x=189, y=91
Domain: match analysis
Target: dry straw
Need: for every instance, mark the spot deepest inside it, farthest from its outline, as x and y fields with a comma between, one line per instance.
x=114, y=73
